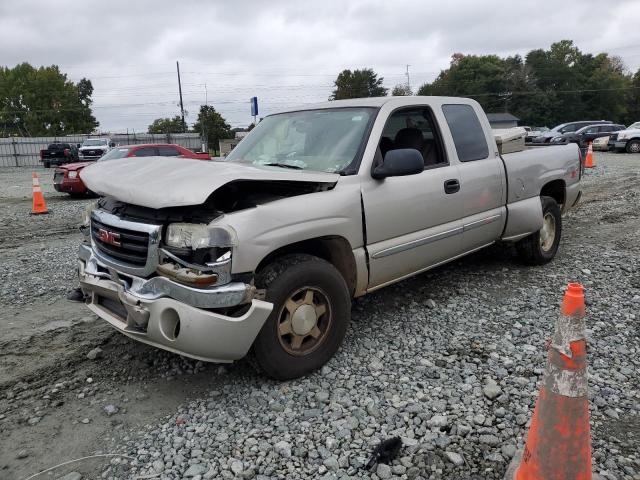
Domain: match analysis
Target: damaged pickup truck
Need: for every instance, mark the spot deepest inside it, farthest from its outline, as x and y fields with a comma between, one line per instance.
x=315, y=206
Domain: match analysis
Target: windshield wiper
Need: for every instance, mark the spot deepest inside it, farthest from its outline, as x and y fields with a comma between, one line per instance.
x=283, y=165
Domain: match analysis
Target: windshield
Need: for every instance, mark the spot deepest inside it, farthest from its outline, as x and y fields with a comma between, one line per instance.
x=115, y=153
x=320, y=140
x=93, y=143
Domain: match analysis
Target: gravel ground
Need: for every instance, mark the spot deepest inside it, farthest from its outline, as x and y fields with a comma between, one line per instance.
x=449, y=360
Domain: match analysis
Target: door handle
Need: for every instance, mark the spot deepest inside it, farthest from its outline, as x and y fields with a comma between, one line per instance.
x=451, y=186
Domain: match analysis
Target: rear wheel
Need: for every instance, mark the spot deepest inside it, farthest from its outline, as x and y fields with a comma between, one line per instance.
x=540, y=247
x=311, y=312
x=633, y=146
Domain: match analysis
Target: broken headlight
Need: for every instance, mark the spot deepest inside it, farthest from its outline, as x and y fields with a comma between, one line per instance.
x=196, y=236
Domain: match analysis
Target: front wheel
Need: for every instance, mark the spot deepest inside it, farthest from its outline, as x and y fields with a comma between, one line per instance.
x=311, y=312
x=633, y=146
x=541, y=247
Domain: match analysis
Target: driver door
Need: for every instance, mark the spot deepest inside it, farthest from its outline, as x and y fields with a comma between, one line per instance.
x=412, y=222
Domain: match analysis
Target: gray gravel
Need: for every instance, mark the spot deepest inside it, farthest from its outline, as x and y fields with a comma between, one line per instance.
x=449, y=361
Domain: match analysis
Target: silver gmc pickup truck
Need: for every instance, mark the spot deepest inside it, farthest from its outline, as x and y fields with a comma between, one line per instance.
x=317, y=205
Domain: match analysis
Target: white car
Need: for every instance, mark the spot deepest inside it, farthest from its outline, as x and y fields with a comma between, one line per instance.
x=601, y=144
x=627, y=140
x=94, y=148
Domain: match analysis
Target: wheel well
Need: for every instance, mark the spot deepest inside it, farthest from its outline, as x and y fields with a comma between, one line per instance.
x=556, y=190
x=335, y=250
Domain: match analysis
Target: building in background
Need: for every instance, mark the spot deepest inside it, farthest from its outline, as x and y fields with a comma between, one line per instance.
x=502, y=120
x=228, y=144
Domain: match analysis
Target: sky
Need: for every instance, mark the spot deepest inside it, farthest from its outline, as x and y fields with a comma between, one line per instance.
x=284, y=52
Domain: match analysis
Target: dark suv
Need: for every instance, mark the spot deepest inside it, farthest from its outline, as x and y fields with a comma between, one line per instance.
x=564, y=128
x=588, y=134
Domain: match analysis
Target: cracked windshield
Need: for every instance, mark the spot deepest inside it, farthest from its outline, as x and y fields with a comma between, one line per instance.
x=320, y=140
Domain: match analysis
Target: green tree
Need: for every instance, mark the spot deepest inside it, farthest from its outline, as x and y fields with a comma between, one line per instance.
x=401, y=90
x=633, y=100
x=547, y=87
x=358, y=84
x=44, y=102
x=167, y=125
x=214, y=126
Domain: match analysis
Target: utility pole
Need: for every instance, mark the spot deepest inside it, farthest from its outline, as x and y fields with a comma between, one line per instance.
x=408, y=78
x=184, y=126
x=205, y=142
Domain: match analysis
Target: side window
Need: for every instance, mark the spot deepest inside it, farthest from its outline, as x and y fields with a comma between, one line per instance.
x=592, y=130
x=467, y=132
x=168, y=152
x=145, y=152
x=413, y=128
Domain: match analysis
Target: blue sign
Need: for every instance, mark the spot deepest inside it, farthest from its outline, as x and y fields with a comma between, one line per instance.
x=254, y=106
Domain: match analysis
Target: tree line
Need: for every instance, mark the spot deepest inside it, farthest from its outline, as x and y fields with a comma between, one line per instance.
x=545, y=87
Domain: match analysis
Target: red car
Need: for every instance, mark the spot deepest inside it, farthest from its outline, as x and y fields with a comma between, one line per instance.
x=67, y=177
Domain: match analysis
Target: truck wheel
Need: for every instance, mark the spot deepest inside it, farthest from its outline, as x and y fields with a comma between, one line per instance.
x=540, y=247
x=633, y=146
x=311, y=312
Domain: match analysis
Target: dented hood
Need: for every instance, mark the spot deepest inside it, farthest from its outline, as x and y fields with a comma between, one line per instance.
x=158, y=182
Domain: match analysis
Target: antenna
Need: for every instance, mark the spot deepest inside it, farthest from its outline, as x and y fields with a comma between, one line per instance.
x=408, y=78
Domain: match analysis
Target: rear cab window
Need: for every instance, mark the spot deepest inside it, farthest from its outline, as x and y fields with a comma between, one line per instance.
x=466, y=130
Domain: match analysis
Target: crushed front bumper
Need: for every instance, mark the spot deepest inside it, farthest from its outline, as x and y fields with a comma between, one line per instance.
x=172, y=316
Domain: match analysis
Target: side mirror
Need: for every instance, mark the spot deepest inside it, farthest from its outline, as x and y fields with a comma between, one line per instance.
x=398, y=163
x=112, y=144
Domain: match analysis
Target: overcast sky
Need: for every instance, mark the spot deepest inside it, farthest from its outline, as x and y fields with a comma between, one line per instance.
x=284, y=52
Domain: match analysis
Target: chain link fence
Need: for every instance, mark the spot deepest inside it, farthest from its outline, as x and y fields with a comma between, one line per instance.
x=25, y=151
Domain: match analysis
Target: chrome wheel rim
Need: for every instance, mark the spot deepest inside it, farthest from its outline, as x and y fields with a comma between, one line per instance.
x=304, y=321
x=634, y=147
x=548, y=232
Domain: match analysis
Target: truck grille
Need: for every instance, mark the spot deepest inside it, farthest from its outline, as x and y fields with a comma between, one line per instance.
x=123, y=245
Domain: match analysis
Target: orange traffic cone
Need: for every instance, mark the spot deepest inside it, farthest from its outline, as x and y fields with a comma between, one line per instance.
x=588, y=163
x=559, y=442
x=39, y=206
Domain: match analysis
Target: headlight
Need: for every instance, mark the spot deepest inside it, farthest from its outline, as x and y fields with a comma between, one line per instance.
x=195, y=236
x=86, y=215
x=73, y=174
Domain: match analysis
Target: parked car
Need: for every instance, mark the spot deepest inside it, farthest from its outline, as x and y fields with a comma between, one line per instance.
x=315, y=206
x=94, y=148
x=534, y=132
x=589, y=133
x=67, y=179
x=58, y=153
x=627, y=140
x=563, y=128
x=601, y=144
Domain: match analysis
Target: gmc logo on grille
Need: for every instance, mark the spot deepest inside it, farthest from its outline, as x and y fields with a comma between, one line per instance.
x=111, y=238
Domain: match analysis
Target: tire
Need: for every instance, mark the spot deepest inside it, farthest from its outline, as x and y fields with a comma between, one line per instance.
x=538, y=248
x=47, y=165
x=633, y=146
x=296, y=339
